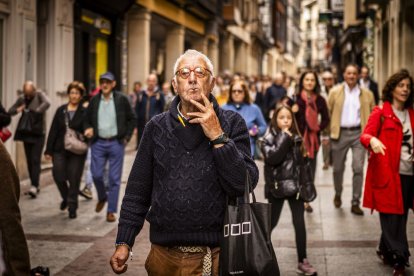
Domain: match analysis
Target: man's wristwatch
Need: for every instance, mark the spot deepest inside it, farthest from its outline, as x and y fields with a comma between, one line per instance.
x=222, y=139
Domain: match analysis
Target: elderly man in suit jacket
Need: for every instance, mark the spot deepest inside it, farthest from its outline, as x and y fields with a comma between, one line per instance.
x=349, y=107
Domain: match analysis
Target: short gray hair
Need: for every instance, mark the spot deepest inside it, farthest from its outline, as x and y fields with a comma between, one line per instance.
x=194, y=53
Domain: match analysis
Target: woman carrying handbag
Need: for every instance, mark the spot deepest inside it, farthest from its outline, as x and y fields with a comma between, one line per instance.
x=282, y=150
x=67, y=165
x=311, y=106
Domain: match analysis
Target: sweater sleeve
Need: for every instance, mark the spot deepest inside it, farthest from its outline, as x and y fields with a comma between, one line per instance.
x=137, y=198
x=13, y=109
x=372, y=128
x=45, y=103
x=233, y=159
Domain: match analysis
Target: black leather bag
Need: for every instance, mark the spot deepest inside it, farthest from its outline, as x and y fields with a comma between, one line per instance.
x=307, y=189
x=30, y=123
x=246, y=248
x=284, y=189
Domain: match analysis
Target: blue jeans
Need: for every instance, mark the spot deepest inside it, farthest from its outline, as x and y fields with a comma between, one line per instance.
x=113, y=152
x=88, y=174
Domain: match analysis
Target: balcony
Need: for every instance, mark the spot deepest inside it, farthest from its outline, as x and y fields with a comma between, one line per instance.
x=231, y=14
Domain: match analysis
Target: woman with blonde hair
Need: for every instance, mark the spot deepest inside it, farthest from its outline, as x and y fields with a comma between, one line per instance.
x=239, y=101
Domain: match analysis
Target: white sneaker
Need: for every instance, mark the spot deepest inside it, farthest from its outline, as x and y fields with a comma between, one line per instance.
x=33, y=191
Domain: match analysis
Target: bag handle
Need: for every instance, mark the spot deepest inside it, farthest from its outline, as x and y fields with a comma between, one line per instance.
x=247, y=188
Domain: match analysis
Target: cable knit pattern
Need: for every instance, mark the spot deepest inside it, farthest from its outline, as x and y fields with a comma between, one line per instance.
x=180, y=188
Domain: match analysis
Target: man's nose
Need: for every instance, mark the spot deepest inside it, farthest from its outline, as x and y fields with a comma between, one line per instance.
x=192, y=78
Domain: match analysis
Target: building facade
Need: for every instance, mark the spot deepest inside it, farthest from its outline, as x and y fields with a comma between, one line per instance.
x=54, y=42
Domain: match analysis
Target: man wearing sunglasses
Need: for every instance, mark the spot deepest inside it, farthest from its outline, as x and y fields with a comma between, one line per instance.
x=189, y=159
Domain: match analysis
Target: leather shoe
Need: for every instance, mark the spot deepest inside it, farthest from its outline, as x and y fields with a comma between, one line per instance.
x=110, y=217
x=63, y=205
x=356, y=210
x=337, y=201
x=308, y=208
x=100, y=205
x=72, y=214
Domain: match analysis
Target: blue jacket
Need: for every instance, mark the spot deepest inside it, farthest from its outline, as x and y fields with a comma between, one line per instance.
x=252, y=115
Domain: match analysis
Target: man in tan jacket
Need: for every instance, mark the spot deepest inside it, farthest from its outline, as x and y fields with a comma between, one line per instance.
x=13, y=241
x=349, y=107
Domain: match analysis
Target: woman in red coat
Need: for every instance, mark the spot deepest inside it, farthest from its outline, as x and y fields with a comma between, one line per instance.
x=389, y=184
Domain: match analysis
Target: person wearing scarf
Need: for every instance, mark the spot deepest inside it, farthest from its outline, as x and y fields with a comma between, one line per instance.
x=311, y=104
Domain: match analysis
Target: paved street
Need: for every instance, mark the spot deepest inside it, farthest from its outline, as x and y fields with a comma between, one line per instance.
x=339, y=243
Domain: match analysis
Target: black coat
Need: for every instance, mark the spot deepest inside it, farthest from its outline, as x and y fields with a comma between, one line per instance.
x=55, y=140
x=373, y=86
x=273, y=94
x=282, y=156
x=5, y=118
x=125, y=117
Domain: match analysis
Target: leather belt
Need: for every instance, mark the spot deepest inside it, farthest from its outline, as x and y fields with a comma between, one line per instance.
x=108, y=139
x=351, y=128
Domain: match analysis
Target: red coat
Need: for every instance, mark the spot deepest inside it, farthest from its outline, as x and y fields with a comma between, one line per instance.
x=382, y=184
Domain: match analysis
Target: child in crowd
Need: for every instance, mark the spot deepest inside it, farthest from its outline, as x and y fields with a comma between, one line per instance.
x=283, y=152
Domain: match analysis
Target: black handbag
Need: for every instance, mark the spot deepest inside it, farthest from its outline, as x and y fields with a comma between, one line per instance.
x=246, y=248
x=307, y=189
x=284, y=189
x=30, y=123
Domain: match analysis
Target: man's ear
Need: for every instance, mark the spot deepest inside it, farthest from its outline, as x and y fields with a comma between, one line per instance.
x=174, y=84
x=212, y=84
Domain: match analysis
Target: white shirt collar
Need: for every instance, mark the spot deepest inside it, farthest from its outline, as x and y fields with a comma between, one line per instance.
x=353, y=90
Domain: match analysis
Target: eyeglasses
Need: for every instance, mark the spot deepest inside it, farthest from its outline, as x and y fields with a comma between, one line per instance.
x=199, y=72
x=327, y=78
x=237, y=91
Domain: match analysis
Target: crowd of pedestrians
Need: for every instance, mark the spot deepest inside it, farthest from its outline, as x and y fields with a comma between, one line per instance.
x=199, y=134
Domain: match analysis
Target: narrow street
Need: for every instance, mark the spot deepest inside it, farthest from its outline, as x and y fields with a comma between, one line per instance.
x=338, y=244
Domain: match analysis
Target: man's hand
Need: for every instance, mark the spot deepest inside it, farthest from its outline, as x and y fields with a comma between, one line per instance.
x=21, y=108
x=207, y=118
x=377, y=146
x=118, y=260
x=88, y=132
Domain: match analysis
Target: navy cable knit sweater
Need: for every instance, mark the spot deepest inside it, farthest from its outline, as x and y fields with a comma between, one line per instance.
x=179, y=182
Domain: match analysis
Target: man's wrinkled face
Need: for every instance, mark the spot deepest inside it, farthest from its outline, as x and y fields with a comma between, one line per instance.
x=351, y=75
x=106, y=86
x=193, y=79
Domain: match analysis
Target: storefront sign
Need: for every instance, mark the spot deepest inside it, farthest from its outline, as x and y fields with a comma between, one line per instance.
x=337, y=5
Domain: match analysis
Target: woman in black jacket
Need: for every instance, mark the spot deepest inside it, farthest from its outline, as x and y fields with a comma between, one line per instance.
x=67, y=166
x=282, y=150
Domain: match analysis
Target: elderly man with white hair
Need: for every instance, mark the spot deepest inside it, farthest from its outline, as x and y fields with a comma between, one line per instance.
x=190, y=158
